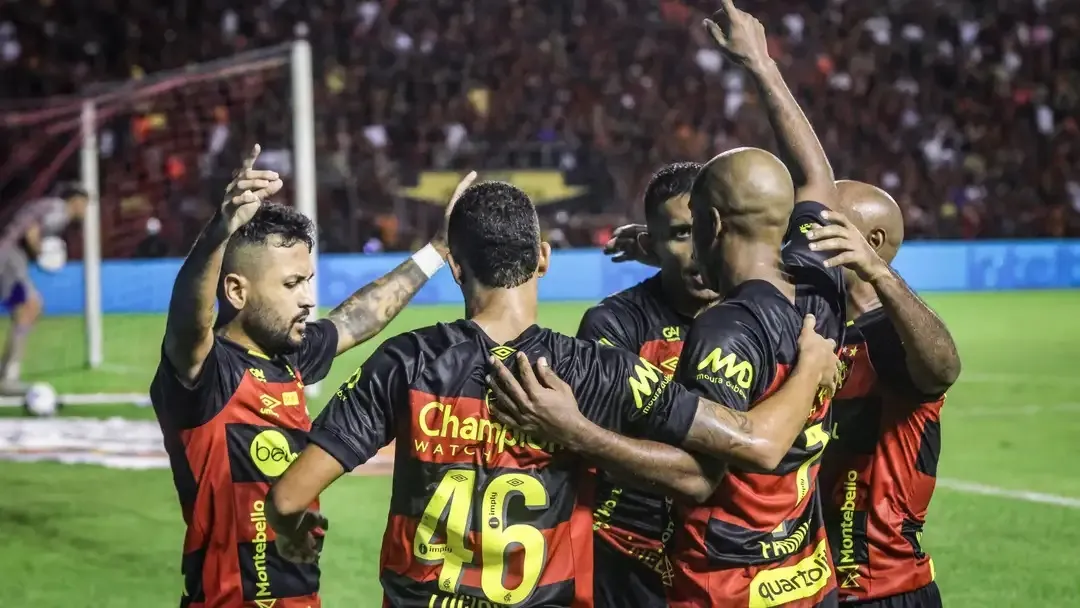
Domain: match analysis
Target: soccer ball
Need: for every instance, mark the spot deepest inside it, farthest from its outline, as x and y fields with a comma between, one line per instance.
x=53, y=254
x=41, y=400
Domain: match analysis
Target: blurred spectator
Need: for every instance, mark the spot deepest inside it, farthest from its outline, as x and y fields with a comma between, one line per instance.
x=966, y=110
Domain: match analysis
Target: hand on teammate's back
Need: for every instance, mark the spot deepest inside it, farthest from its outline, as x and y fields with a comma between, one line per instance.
x=625, y=246
x=300, y=545
x=440, y=240
x=248, y=189
x=853, y=250
x=817, y=356
x=739, y=34
x=539, y=404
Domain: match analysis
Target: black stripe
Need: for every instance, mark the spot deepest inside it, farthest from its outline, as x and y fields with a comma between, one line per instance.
x=929, y=448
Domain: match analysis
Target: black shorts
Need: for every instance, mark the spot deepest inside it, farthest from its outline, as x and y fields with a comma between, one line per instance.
x=620, y=580
x=924, y=597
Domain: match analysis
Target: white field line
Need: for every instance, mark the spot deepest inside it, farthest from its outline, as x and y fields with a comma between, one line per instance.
x=968, y=487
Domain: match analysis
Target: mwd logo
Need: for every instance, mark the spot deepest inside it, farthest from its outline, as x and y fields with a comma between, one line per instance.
x=1023, y=266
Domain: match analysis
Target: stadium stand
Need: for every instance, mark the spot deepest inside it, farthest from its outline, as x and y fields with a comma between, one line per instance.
x=966, y=111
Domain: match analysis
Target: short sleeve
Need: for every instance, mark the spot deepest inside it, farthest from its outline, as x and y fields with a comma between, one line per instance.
x=726, y=357
x=359, y=419
x=622, y=392
x=317, y=351
x=601, y=324
x=820, y=290
x=188, y=405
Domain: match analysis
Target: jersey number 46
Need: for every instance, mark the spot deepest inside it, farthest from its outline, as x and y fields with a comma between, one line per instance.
x=452, y=504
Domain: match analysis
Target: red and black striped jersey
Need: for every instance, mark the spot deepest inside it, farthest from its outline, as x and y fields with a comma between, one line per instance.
x=228, y=436
x=760, y=539
x=880, y=470
x=640, y=321
x=481, y=514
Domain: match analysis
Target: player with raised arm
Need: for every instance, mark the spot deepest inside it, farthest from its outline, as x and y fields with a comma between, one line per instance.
x=758, y=538
x=20, y=242
x=229, y=394
x=482, y=514
x=879, y=472
x=650, y=319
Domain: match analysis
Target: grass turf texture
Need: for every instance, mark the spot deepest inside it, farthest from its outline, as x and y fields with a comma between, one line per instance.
x=89, y=536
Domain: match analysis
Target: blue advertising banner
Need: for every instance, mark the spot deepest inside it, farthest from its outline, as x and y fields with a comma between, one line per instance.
x=143, y=286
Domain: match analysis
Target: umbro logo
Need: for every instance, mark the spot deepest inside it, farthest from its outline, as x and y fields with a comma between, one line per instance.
x=670, y=365
x=269, y=403
x=502, y=352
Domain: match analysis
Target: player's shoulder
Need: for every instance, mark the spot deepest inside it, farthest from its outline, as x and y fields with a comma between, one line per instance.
x=638, y=300
x=805, y=215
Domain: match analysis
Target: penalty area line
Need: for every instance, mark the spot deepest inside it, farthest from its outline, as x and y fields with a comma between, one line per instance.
x=968, y=487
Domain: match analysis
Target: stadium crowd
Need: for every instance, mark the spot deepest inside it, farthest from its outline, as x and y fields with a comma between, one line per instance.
x=965, y=111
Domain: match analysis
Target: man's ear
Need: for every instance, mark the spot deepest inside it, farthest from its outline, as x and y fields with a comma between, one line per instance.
x=543, y=261
x=455, y=269
x=876, y=238
x=235, y=290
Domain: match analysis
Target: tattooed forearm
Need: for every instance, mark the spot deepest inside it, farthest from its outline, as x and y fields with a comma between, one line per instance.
x=799, y=146
x=190, y=322
x=723, y=432
x=648, y=465
x=368, y=311
x=932, y=360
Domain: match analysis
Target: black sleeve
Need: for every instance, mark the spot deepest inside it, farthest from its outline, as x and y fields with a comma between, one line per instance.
x=821, y=290
x=317, y=351
x=192, y=404
x=602, y=324
x=622, y=392
x=726, y=357
x=359, y=419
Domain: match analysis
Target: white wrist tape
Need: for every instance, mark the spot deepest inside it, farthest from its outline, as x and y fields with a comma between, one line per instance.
x=429, y=260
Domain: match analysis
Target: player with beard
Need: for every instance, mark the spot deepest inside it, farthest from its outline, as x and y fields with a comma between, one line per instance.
x=650, y=319
x=482, y=515
x=879, y=472
x=229, y=396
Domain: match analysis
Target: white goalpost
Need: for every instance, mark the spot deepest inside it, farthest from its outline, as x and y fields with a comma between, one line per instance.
x=183, y=113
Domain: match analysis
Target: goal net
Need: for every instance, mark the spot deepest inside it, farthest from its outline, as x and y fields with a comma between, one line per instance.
x=154, y=153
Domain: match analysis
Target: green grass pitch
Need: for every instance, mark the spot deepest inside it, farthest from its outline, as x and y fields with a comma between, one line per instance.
x=89, y=536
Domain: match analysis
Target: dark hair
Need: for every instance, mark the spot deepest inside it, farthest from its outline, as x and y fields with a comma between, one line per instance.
x=273, y=224
x=71, y=190
x=495, y=235
x=671, y=181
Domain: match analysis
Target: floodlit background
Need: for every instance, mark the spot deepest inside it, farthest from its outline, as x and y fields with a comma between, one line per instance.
x=965, y=111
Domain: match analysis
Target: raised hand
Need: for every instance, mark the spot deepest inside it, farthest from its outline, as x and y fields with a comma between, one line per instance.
x=248, y=189
x=853, y=250
x=627, y=245
x=739, y=34
x=440, y=240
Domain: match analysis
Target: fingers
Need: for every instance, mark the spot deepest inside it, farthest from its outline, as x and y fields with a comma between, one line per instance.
x=835, y=244
x=828, y=231
x=245, y=198
x=462, y=186
x=252, y=156
x=545, y=374
x=502, y=406
x=627, y=230
x=809, y=324
x=842, y=259
x=836, y=217
x=507, y=384
x=716, y=32
x=728, y=6
x=528, y=378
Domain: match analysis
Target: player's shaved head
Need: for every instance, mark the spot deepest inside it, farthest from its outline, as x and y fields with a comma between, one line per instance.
x=741, y=202
x=750, y=189
x=874, y=213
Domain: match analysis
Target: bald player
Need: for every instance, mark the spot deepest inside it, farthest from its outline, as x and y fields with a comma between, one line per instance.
x=879, y=472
